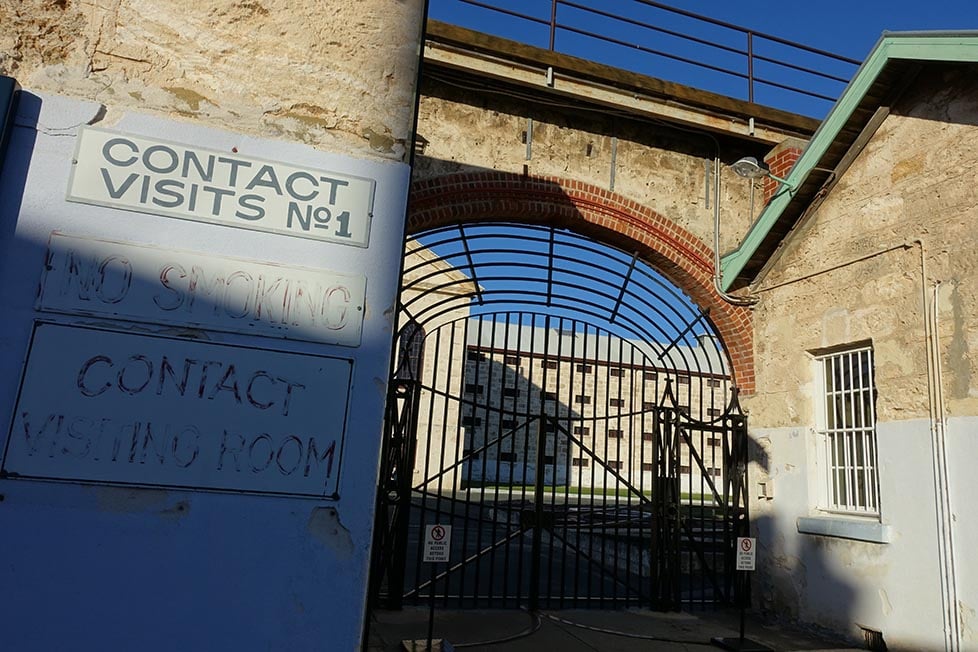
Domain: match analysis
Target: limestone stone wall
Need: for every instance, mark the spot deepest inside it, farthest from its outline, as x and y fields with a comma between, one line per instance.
x=897, y=231
x=667, y=169
x=853, y=272
x=305, y=71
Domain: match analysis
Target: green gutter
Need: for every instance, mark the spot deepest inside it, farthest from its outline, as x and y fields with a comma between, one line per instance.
x=918, y=46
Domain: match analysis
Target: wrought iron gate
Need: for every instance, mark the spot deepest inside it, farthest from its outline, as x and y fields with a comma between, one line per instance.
x=578, y=463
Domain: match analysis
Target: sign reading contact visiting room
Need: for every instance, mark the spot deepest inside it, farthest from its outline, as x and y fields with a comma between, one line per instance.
x=133, y=173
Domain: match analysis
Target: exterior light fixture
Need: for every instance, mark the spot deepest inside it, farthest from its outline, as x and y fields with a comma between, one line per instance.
x=749, y=168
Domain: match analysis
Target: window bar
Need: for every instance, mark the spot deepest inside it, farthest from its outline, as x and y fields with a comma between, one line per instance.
x=832, y=409
x=852, y=434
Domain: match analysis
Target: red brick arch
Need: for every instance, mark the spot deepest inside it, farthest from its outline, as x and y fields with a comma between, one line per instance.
x=601, y=214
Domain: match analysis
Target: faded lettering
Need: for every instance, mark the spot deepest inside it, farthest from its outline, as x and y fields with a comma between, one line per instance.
x=142, y=409
x=178, y=287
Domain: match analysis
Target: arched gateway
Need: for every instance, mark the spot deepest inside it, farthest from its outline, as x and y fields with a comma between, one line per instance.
x=601, y=214
x=564, y=398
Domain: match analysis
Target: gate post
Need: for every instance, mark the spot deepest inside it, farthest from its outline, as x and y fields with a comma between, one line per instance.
x=737, y=483
x=666, y=555
x=398, y=450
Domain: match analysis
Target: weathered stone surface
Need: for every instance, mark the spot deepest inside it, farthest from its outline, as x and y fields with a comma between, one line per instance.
x=301, y=71
x=914, y=181
x=667, y=169
x=895, y=235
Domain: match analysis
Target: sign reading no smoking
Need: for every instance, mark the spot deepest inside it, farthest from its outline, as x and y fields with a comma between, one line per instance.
x=746, y=553
x=437, y=542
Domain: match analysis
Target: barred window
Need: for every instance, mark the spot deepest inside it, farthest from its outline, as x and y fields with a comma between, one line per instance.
x=616, y=402
x=848, y=427
x=616, y=371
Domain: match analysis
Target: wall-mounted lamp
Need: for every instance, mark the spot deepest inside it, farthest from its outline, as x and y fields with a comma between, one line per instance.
x=749, y=168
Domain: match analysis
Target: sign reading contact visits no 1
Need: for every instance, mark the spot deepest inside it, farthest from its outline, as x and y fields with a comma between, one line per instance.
x=133, y=173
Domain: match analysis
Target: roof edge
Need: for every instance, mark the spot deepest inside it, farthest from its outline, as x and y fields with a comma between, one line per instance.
x=943, y=46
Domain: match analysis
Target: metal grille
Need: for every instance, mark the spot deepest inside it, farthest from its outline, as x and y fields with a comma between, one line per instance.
x=669, y=43
x=569, y=413
x=850, y=431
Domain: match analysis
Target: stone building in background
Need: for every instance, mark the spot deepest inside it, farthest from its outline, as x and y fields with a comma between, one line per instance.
x=865, y=411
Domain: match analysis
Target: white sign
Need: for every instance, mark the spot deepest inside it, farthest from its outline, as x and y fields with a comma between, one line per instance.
x=123, y=171
x=96, y=277
x=437, y=542
x=746, y=553
x=105, y=406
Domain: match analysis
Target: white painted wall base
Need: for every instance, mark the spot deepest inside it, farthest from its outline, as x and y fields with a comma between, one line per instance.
x=841, y=573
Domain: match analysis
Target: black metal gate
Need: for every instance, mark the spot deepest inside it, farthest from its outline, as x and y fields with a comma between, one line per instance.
x=585, y=445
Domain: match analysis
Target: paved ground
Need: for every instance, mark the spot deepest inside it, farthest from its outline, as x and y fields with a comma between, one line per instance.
x=578, y=631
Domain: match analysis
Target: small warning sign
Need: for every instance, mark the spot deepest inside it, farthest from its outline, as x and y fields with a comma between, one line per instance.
x=746, y=553
x=437, y=542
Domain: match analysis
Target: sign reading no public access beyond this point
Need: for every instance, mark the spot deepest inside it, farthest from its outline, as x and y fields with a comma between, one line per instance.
x=746, y=553
x=437, y=542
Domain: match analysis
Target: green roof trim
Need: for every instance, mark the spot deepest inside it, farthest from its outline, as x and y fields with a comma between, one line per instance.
x=915, y=46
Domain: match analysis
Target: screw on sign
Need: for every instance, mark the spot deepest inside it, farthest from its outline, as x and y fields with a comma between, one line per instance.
x=746, y=554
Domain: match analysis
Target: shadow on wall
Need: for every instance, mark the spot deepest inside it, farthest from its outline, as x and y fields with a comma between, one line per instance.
x=82, y=285
x=792, y=582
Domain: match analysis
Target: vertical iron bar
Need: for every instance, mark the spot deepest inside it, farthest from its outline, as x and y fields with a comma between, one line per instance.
x=750, y=67
x=473, y=444
x=537, y=550
x=553, y=23
x=443, y=445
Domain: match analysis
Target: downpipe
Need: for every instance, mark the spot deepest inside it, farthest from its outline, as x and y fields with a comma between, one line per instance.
x=717, y=281
x=938, y=432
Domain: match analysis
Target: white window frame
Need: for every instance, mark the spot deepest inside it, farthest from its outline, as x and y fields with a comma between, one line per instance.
x=846, y=429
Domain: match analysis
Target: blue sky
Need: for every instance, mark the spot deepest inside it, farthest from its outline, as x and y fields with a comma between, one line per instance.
x=846, y=27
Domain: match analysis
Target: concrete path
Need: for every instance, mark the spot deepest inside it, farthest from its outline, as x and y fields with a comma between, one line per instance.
x=579, y=631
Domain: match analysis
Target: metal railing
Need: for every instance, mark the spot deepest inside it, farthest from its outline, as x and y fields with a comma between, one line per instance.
x=672, y=44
